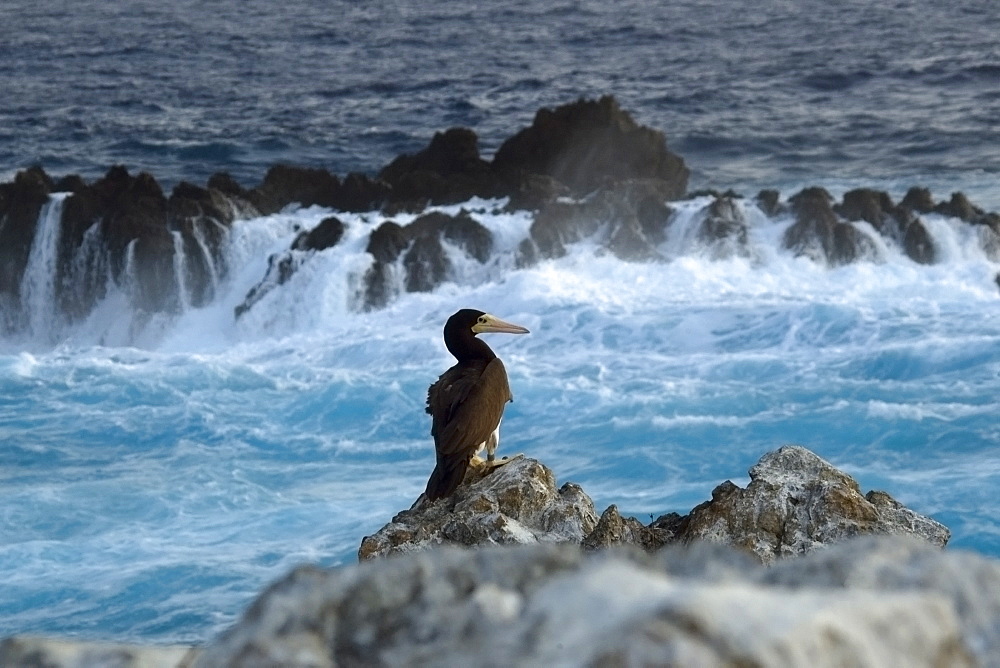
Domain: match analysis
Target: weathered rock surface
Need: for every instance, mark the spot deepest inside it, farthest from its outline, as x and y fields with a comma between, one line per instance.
x=517, y=503
x=865, y=602
x=869, y=601
x=796, y=502
x=32, y=652
x=821, y=236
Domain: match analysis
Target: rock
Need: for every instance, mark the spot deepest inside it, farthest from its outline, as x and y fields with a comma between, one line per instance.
x=584, y=143
x=20, y=203
x=285, y=184
x=866, y=602
x=797, y=502
x=425, y=264
x=359, y=192
x=917, y=242
x=724, y=231
x=871, y=206
x=630, y=215
x=919, y=200
x=613, y=529
x=517, y=503
x=769, y=201
x=32, y=652
x=325, y=235
x=534, y=191
x=448, y=171
x=960, y=207
x=819, y=235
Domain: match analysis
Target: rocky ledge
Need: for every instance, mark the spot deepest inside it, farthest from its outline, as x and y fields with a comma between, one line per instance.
x=740, y=580
x=795, y=503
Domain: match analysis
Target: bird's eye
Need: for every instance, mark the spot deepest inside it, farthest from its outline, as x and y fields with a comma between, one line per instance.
x=482, y=319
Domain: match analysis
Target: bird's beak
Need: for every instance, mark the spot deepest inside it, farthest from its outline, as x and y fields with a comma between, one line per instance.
x=491, y=323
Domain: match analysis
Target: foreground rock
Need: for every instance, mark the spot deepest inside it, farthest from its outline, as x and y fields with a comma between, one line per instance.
x=869, y=601
x=864, y=603
x=517, y=503
x=32, y=652
x=795, y=503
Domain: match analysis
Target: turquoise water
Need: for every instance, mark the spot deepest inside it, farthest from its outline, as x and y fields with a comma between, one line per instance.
x=148, y=488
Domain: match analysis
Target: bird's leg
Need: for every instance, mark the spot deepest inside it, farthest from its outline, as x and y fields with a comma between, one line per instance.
x=491, y=448
x=491, y=444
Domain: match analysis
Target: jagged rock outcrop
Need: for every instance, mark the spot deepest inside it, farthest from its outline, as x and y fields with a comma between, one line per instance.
x=120, y=228
x=820, y=235
x=20, y=203
x=587, y=169
x=517, y=503
x=797, y=502
x=897, y=223
x=630, y=217
x=584, y=143
x=448, y=171
x=724, y=230
x=412, y=258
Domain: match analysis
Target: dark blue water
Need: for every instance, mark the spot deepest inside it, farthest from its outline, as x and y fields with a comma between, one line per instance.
x=152, y=482
x=764, y=94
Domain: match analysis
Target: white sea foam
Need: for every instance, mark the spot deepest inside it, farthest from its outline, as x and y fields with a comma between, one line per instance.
x=178, y=471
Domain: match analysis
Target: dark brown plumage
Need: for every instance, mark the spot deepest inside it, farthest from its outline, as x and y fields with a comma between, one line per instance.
x=467, y=401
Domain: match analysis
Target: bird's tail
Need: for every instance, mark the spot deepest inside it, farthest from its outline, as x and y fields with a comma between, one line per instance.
x=445, y=478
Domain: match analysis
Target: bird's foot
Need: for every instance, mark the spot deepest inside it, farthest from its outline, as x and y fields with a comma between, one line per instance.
x=494, y=463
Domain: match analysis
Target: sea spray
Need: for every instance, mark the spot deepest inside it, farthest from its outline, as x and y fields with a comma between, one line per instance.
x=38, y=286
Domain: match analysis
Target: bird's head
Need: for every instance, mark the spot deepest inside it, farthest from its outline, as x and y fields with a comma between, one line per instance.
x=461, y=329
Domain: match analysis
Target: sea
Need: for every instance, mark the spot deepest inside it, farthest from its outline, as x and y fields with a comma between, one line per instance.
x=154, y=479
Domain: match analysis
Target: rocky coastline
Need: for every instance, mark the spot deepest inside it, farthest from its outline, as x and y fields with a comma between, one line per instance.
x=584, y=169
x=799, y=568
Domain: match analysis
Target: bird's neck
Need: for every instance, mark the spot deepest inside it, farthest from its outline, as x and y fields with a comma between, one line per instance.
x=468, y=348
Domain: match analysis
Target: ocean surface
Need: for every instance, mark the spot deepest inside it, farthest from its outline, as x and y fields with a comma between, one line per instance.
x=152, y=480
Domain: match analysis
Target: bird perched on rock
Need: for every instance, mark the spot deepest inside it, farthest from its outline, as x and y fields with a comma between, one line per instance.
x=467, y=401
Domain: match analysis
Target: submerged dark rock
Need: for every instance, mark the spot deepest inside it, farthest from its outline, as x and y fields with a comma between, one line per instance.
x=630, y=215
x=424, y=262
x=820, y=236
x=724, y=230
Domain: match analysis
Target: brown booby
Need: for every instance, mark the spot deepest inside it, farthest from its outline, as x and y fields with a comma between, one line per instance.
x=467, y=401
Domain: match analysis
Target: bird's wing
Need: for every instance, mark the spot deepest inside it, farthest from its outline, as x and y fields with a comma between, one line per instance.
x=467, y=406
